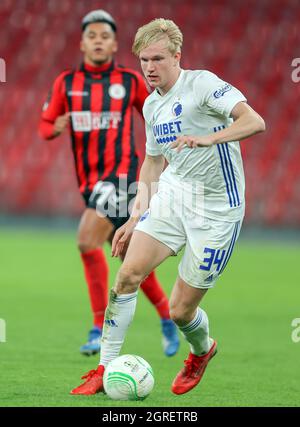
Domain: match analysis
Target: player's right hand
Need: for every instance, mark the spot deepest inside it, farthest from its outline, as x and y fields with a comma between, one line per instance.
x=122, y=237
x=61, y=123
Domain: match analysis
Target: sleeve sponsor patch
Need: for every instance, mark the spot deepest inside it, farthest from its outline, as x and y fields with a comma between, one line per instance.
x=220, y=92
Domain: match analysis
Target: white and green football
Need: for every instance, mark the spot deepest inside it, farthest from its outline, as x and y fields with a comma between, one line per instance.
x=128, y=377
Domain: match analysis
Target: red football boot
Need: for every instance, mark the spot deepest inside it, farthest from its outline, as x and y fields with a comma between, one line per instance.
x=193, y=371
x=93, y=383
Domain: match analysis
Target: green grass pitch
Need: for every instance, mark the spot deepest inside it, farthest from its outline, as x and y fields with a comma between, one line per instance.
x=44, y=301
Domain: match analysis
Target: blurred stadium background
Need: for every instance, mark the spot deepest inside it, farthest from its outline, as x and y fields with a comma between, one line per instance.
x=250, y=44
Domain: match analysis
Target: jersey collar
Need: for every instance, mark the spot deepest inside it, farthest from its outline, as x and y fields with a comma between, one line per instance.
x=100, y=69
x=173, y=88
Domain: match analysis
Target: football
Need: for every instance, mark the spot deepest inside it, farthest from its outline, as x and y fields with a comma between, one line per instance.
x=128, y=377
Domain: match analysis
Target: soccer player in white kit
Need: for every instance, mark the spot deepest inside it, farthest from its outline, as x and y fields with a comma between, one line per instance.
x=194, y=120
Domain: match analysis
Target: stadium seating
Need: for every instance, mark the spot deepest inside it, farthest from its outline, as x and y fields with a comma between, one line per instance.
x=250, y=44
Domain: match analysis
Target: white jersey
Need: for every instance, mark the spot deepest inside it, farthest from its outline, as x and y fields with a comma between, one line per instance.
x=199, y=103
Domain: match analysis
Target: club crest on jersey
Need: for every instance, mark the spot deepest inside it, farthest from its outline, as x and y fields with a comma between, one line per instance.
x=220, y=92
x=176, y=109
x=117, y=91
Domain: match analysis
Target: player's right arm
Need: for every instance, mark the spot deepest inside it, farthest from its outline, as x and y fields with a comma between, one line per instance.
x=55, y=117
x=151, y=170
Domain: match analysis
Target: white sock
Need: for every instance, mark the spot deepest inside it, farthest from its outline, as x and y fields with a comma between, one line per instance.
x=118, y=316
x=197, y=333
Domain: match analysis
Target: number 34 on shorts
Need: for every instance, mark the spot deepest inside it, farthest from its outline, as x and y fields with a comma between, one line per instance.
x=215, y=260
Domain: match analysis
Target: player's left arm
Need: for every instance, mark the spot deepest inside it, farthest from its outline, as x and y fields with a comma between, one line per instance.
x=247, y=122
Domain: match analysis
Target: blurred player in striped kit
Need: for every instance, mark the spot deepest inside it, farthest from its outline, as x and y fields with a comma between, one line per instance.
x=95, y=102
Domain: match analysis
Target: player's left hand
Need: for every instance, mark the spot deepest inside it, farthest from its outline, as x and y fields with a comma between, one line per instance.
x=192, y=142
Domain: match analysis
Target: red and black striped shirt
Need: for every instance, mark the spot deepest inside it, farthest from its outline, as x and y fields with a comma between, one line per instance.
x=101, y=101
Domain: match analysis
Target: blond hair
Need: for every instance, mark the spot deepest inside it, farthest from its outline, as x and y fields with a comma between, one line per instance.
x=157, y=30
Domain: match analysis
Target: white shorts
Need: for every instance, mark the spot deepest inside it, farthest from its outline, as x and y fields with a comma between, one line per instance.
x=208, y=244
